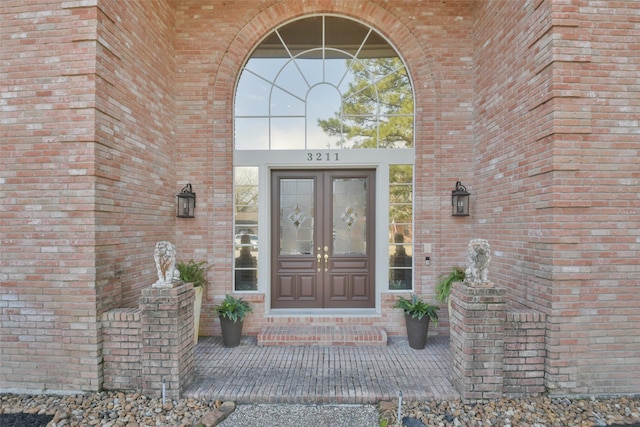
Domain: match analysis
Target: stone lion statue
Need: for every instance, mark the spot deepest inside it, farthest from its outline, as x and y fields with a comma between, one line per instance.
x=165, y=257
x=479, y=256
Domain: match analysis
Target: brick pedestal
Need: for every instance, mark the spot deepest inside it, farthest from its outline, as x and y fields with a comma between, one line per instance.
x=477, y=341
x=168, y=351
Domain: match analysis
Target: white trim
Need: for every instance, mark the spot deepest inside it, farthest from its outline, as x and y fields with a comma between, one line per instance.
x=381, y=262
x=324, y=159
x=378, y=159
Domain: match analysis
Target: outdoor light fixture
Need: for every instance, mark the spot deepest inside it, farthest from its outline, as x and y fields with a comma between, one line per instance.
x=460, y=200
x=186, y=202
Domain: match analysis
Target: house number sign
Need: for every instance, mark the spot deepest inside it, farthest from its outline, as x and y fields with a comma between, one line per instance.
x=323, y=157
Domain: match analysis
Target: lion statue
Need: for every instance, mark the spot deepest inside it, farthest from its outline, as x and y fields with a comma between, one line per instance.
x=479, y=256
x=165, y=257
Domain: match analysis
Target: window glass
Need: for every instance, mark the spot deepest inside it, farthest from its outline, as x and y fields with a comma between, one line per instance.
x=297, y=214
x=400, y=227
x=252, y=134
x=368, y=102
x=287, y=133
x=254, y=88
x=349, y=216
x=246, y=228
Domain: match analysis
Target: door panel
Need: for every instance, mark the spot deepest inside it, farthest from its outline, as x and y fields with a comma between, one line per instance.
x=286, y=288
x=339, y=288
x=322, y=250
x=360, y=288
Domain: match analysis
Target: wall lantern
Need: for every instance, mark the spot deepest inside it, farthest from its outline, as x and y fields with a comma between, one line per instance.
x=186, y=202
x=460, y=200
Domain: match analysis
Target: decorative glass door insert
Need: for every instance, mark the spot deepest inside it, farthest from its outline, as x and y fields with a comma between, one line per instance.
x=322, y=250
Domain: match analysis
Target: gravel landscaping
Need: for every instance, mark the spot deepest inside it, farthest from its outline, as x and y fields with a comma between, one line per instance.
x=116, y=409
x=525, y=412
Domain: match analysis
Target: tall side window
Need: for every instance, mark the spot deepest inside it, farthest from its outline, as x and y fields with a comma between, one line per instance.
x=400, y=227
x=246, y=228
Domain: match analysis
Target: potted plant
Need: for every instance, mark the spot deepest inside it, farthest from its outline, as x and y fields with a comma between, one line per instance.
x=195, y=273
x=232, y=312
x=417, y=314
x=445, y=281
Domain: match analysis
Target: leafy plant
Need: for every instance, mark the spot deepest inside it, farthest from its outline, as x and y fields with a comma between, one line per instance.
x=417, y=308
x=234, y=309
x=445, y=281
x=194, y=272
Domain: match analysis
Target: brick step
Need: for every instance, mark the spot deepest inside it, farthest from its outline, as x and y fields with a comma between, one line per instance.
x=323, y=335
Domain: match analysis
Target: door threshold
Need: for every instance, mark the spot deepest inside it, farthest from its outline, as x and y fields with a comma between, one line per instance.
x=323, y=312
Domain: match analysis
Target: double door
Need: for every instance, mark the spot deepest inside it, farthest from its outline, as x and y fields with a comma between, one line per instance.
x=322, y=247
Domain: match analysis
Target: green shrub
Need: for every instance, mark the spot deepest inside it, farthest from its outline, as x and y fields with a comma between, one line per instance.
x=234, y=309
x=194, y=272
x=417, y=308
x=445, y=281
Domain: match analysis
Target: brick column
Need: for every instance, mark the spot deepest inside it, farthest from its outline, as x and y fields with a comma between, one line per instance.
x=477, y=340
x=167, y=339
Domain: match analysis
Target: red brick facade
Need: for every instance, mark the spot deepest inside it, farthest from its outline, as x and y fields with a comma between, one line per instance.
x=557, y=102
x=108, y=107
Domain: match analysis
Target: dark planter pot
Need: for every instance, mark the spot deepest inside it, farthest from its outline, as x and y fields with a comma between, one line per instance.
x=417, y=331
x=231, y=332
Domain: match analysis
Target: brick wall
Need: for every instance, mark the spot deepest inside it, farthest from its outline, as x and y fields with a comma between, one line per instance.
x=135, y=181
x=121, y=349
x=556, y=160
x=151, y=348
x=110, y=107
x=524, y=352
x=496, y=352
x=168, y=349
x=87, y=177
x=477, y=341
x=47, y=259
x=513, y=151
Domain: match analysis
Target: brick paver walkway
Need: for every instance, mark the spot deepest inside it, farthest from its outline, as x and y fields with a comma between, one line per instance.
x=321, y=375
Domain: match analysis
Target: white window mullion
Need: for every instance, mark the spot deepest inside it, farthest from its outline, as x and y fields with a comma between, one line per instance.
x=382, y=225
x=264, y=225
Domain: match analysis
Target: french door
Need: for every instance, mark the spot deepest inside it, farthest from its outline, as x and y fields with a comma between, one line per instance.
x=322, y=248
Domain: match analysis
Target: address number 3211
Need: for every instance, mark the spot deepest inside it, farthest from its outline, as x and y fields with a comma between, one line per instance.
x=323, y=157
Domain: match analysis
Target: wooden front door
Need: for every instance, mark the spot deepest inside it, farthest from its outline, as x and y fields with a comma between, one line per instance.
x=322, y=239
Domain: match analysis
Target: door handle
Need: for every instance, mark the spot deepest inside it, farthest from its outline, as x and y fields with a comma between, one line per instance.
x=319, y=261
x=326, y=262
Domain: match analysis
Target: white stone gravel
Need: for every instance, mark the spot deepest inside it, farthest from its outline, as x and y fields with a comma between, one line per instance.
x=303, y=415
x=118, y=409
x=532, y=411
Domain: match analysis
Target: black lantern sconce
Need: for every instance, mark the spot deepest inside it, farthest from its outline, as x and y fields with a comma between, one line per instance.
x=186, y=202
x=460, y=200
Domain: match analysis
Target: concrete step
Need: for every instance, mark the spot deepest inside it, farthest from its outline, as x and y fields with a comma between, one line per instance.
x=322, y=335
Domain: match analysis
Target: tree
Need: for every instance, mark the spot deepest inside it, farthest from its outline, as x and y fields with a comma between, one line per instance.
x=377, y=108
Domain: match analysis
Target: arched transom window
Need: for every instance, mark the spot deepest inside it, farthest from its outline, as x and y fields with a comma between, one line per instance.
x=323, y=82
